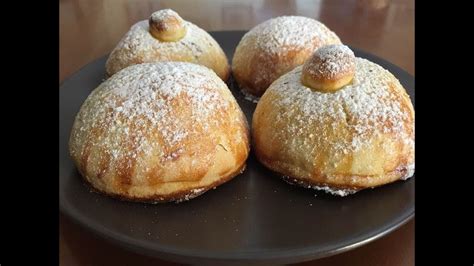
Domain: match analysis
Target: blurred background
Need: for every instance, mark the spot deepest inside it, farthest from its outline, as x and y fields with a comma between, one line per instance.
x=91, y=28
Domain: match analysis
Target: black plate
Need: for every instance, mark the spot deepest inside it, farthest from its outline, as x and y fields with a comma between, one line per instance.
x=256, y=217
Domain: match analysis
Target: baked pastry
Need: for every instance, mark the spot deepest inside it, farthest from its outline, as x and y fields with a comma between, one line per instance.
x=338, y=123
x=275, y=47
x=165, y=36
x=158, y=132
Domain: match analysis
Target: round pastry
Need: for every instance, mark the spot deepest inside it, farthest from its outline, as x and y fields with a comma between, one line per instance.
x=338, y=123
x=275, y=47
x=165, y=36
x=158, y=132
x=329, y=69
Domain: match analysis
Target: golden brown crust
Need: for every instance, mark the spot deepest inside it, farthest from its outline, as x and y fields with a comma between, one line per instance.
x=166, y=25
x=358, y=137
x=140, y=46
x=346, y=181
x=329, y=69
x=275, y=47
x=154, y=130
x=177, y=196
x=343, y=190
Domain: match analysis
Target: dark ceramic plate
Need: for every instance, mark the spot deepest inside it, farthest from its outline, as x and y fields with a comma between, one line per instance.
x=254, y=218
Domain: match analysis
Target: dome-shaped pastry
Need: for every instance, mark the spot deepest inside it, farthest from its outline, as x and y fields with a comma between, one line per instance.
x=339, y=136
x=165, y=36
x=275, y=47
x=156, y=132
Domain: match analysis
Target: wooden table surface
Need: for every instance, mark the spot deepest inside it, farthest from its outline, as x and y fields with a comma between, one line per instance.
x=90, y=28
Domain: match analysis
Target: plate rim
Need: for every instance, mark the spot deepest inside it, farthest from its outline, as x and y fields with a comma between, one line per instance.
x=159, y=250
x=174, y=254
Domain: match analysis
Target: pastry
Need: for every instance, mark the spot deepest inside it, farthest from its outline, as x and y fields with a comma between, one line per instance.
x=165, y=36
x=338, y=123
x=275, y=47
x=158, y=132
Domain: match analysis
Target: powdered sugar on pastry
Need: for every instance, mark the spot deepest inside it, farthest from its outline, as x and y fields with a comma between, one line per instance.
x=330, y=61
x=368, y=105
x=410, y=172
x=275, y=47
x=342, y=192
x=159, y=132
x=249, y=97
x=139, y=46
x=144, y=96
x=165, y=15
x=276, y=34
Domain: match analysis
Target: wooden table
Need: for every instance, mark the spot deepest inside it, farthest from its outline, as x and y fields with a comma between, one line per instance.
x=90, y=29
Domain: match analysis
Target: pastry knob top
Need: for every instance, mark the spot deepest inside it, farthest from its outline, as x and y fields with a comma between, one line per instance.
x=329, y=69
x=167, y=26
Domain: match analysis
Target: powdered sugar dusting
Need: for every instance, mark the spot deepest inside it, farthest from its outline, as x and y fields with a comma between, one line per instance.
x=368, y=106
x=330, y=61
x=410, y=172
x=334, y=191
x=275, y=47
x=249, y=97
x=164, y=15
x=140, y=101
x=191, y=195
x=138, y=45
x=277, y=34
x=139, y=39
